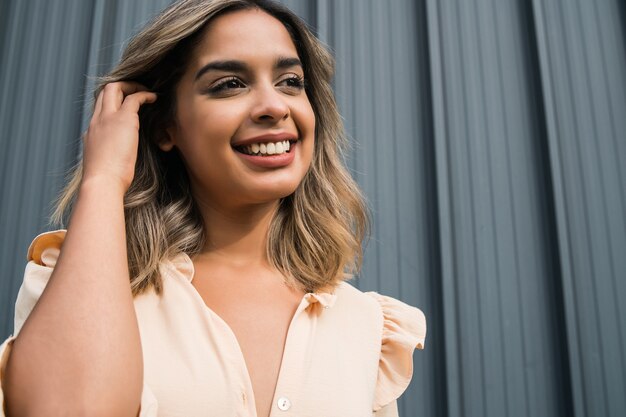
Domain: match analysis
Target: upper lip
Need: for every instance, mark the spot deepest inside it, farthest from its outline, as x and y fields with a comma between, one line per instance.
x=268, y=137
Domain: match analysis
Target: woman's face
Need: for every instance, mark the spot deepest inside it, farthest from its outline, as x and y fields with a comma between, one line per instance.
x=245, y=127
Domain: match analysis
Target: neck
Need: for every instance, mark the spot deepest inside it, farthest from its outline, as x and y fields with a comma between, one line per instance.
x=237, y=236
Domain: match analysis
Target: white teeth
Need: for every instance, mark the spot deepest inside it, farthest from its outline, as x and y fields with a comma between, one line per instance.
x=267, y=148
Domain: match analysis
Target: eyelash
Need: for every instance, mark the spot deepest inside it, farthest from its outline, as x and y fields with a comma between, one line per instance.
x=298, y=80
x=222, y=86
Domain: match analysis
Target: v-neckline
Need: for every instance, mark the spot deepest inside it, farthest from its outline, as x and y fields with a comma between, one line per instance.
x=184, y=267
x=240, y=354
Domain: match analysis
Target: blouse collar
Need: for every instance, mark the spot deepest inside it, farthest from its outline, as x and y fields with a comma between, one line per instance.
x=183, y=264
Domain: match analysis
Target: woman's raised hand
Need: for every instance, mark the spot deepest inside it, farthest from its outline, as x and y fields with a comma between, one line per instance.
x=87, y=305
x=111, y=141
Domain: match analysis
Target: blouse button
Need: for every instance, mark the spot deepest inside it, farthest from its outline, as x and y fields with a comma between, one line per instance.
x=284, y=403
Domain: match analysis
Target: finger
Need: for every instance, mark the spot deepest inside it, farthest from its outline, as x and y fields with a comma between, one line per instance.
x=112, y=98
x=133, y=102
x=114, y=94
x=130, y=87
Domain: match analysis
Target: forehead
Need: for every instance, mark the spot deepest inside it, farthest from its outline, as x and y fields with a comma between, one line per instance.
x=244, y=34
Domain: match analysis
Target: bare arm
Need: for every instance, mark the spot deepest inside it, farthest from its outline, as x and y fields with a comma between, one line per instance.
x=79, y=351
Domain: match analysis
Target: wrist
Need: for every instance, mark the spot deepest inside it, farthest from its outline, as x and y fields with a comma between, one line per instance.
x=103, y=186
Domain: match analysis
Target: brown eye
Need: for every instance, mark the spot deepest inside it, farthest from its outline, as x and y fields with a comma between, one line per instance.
x=294, y=82
x=232, y=83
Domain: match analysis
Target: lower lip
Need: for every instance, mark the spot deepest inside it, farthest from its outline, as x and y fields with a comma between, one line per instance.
x=271, y=161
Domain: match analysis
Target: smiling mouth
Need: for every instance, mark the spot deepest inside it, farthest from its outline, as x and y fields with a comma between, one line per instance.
x=266, y=149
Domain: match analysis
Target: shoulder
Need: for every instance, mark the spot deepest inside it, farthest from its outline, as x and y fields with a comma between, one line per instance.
x=350, y=297
x=401, y=329
x=42, y=257
x=395, y=315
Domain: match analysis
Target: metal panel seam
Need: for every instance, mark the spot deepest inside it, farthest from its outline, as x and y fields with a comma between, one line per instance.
x=450, y=331
x=560, y=210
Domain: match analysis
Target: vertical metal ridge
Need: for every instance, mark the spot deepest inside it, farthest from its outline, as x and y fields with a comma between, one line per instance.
x=589, y=372
x=23, y=130
x=584, y=269
x=614, y=246
x=607, y=320
x=597, y=166
x=48, y=80
x=323, y=21
x=396, y=163
x=556, y=169
x=9, y=87
x=124, y=21
x=492, y=7
x=553, y=223
x=8, y=42
x=474, y=271
x=92, y=64
x=313, y=16
x=621, y=185
x=9, y=67
x=365, y=124
x=487, y=272
x=374, y=121
x=439, y=397
x=454, y=403
x=8, y=45
x=511, y=406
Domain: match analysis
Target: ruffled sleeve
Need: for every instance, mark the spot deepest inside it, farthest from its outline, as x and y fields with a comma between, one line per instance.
x=43, y=254
x=404, y=329
x=42, y=258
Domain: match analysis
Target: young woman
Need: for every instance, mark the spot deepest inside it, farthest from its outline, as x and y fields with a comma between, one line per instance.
x=212, y=182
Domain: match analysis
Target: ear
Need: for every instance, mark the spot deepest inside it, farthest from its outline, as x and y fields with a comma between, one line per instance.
x=167, y=142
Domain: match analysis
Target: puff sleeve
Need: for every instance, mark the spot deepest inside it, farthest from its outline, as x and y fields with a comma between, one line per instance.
x=404, y=329
x=42, y=257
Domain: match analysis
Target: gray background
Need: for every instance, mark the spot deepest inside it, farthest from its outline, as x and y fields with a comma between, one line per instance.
x=490, y=139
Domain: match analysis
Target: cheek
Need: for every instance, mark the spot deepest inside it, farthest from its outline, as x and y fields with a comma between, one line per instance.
x=208, y=125
x=304, y=117
x=306, y=121
x=309, y=114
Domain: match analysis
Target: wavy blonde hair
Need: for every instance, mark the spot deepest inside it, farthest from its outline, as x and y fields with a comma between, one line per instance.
x=315, y=239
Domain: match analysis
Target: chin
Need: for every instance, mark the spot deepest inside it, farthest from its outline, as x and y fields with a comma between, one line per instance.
x=273, y=195
x=264, y=194
x=274, y=187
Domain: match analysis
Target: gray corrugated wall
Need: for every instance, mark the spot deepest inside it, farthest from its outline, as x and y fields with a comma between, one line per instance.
x=490, y=138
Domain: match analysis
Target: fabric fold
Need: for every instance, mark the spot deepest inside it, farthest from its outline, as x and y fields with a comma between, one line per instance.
x=404, y=329
x=45, y=248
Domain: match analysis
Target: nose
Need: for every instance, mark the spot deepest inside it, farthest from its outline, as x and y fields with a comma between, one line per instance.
x=269, y=105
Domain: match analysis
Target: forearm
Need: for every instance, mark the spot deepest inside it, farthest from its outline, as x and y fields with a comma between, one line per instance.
x=80, y=347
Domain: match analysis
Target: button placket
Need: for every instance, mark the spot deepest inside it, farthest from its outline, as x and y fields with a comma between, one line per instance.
x=299, y=329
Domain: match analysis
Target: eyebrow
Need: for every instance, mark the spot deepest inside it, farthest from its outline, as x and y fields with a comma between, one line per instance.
x=240, y=66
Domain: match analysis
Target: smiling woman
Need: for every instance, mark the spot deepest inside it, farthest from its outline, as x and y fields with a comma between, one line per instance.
x=212, y=231
x=240, y=90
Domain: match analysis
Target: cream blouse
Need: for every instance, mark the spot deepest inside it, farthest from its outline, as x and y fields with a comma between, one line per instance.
x=347, y=353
